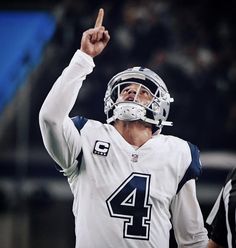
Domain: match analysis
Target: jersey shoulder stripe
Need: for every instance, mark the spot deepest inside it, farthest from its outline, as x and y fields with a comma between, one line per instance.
x=79, y=122
x=194, y=169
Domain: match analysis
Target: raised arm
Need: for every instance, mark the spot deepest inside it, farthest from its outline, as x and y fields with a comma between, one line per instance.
x=60, y=137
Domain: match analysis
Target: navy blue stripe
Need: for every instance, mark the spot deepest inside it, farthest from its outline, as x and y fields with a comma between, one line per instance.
x=194, y=169
x=79, y=122
x=79, y=159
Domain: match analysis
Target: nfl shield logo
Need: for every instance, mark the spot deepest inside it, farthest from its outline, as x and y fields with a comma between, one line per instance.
x=134, y=157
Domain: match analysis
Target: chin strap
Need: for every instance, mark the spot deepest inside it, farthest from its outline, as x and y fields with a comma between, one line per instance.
x=157, y=123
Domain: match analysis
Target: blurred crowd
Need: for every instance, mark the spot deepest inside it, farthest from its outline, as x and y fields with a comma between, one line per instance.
x=190, y=44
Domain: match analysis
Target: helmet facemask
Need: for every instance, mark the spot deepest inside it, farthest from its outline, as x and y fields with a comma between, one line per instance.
x=154, y=111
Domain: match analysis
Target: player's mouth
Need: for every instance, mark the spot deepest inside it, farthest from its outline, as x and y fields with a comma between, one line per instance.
x=130, y=99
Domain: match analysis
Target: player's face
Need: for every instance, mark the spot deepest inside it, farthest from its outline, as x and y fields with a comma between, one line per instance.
x=135, y=93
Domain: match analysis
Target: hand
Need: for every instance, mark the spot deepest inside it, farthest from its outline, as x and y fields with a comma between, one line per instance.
x=94, y=40
x=212, y=244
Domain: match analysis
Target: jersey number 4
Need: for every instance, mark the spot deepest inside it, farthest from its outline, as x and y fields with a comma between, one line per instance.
x=130, y=202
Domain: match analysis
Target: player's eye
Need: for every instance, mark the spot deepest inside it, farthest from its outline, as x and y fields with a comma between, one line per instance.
x=125, y=90
x=145, y=92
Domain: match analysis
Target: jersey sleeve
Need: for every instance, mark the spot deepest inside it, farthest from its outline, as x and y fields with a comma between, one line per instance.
x=187, y=219
x=60, y=135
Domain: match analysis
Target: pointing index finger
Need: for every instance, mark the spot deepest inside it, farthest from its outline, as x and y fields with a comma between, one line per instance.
x=99, y=18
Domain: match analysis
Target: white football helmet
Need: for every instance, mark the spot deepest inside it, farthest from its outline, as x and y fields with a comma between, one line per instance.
x=155, y=112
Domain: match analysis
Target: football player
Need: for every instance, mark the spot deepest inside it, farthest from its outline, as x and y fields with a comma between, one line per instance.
x=222, y=217
x=131, y=184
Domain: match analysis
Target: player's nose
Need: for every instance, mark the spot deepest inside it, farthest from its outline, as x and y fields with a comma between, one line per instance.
x=132, y=91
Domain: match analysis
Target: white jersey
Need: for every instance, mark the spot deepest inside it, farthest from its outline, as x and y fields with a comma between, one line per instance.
x=123, y=196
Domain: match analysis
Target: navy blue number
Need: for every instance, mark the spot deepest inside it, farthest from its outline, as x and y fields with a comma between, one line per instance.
x=130, y=202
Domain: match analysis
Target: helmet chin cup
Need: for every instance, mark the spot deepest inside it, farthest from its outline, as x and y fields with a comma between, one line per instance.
x=129, y=111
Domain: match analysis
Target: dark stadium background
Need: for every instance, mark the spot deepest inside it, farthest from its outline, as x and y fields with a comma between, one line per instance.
x=190, y=44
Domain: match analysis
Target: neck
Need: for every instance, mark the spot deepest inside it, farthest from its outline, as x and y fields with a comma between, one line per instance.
x=134, y=132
